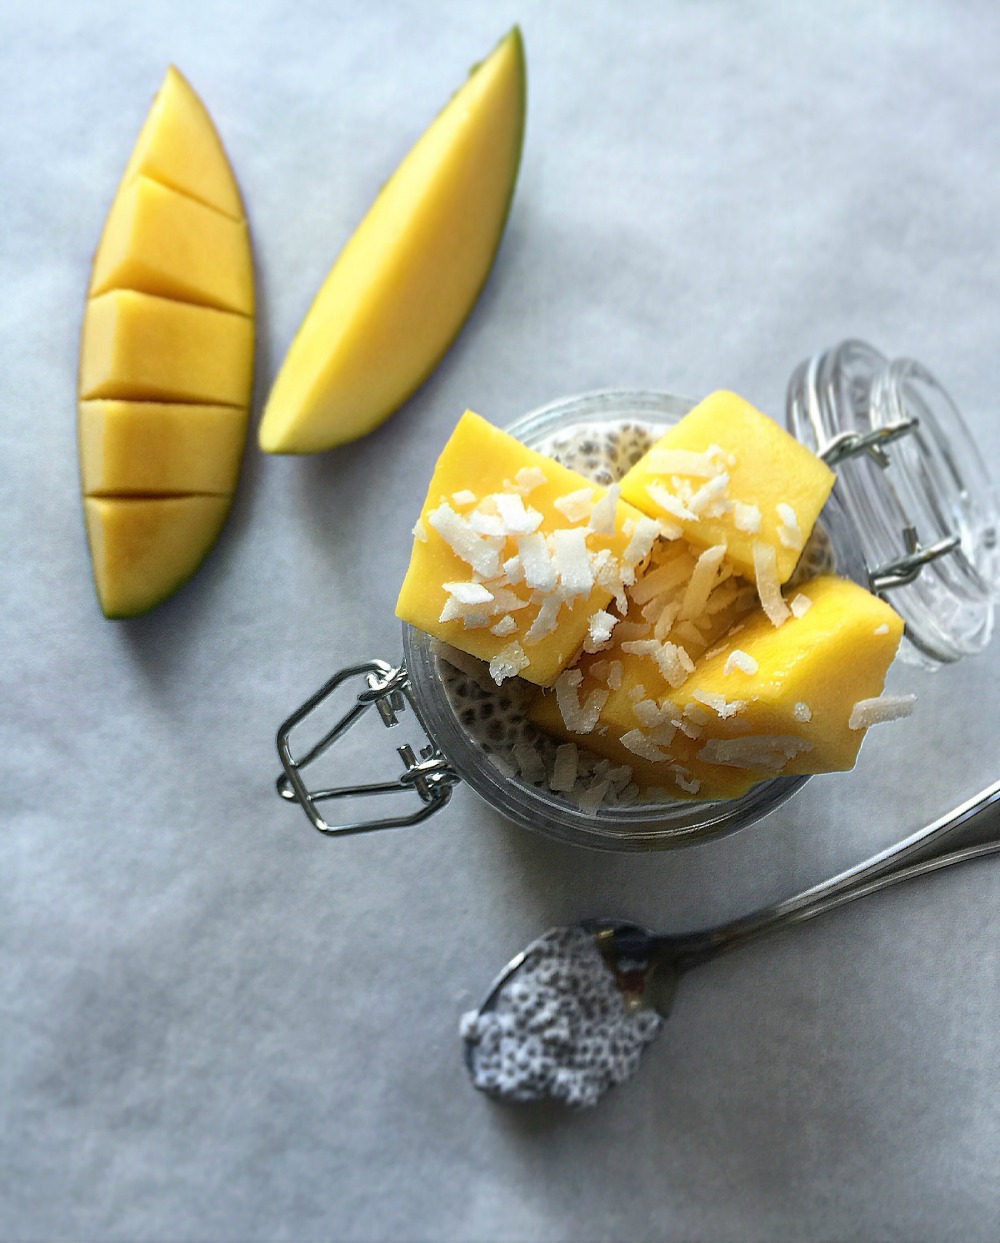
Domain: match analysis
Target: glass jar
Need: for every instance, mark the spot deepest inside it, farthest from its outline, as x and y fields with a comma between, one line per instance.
x=912, y=514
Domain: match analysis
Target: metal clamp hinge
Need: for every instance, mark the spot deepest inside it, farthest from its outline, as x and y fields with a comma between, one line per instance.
x=903, y=570
x=426, y=771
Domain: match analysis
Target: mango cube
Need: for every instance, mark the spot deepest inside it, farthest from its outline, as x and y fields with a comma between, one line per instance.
x=515, y=558
x=783, y=698
x=728, y=475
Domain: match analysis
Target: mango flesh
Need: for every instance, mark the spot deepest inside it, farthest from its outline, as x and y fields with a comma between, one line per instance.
x=811, y=672
x=478, y=462
x=765, y=468
x=160, y=242
x=159, y=448
x=166, y=359
x=144, y=549
x=790, y=716
x=412, y=271
x=139, y=347
x=179, y=147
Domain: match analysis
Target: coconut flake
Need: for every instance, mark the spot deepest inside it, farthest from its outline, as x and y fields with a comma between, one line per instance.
x=702, y=581
x=576, y=506
x=746, y=517
x=883, y=629
x=719, y=704
x=529, y=763
x=419, y=531
x=616, y=671
x=469, y=593
x=517, y=519
x=802, y=712
x=528, y=478
x=738, y=659
x=765, y=563
x=565, y=768
x=536, y=563
x=464, y=497
x=662, y=579
x=801, y=604
x=637, y=742
x=878, y=711
x=669, y=502
x=505, y=626
x=788, y=528
x=508, y=663
x=578, y=718
x=710, y=501
x=545, y=621
x=604, y=512
x=765, y=751
x=641, y=544
x=571, y=562
x=481, y=553
x=599, y=628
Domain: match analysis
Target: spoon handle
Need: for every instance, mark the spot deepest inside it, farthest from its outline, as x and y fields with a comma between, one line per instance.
x=966, y=832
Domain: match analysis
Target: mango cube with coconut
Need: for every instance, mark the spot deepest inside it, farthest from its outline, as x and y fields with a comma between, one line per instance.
x=515, y=558
x=726, y=474
x=797, y=698
x=765, y=702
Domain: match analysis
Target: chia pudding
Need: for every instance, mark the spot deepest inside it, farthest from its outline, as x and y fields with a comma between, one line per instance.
x=558, y=1028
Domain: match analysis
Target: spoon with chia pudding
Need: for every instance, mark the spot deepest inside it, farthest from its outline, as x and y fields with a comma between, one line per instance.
x=570, y=1016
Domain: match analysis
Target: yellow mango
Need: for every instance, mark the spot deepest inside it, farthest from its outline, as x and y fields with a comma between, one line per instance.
x=144, y=548
x=166, y=359
x=810, y=672
x=136, y=346
x=159, y=448
x=158, y=241
x=179, y=147
x=478, y=463
x=727, y=474
x=410, y=274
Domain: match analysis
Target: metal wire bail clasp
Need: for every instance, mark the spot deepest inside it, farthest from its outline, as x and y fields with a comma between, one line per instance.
x=427, y=775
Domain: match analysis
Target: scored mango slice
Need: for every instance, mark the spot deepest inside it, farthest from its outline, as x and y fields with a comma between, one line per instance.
x=515, y=557
x=726, y=474
x=166, y=359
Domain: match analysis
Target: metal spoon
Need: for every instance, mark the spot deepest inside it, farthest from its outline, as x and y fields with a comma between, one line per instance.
x=648, y=966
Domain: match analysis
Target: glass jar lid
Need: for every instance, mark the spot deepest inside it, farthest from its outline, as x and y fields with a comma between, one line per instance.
x=909, y=473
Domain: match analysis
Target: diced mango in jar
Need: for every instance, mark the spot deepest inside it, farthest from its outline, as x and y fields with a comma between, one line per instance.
x=726, y=474
x=161, y=242
x=515, y=558
x=615, y=701
x=783, y=698
x=140, y=347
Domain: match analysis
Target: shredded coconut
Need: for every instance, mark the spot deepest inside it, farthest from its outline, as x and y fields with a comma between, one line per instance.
x=576, y=506
x=868, y=712
x=801, y=604
x=765, y=563
x=738, y=659
x=419, y=531
x=746, y=517
x=802, y=712
x=508, y=663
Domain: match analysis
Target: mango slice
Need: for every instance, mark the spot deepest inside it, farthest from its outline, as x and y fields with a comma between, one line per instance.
x=159, y=448
x=145, y=548
x=160, y=242
x=166, y=359
x=727, y=474
x=515, y=557
x=411, y=273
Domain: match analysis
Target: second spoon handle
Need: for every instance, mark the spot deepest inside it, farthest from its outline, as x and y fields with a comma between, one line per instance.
x=970, y=830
